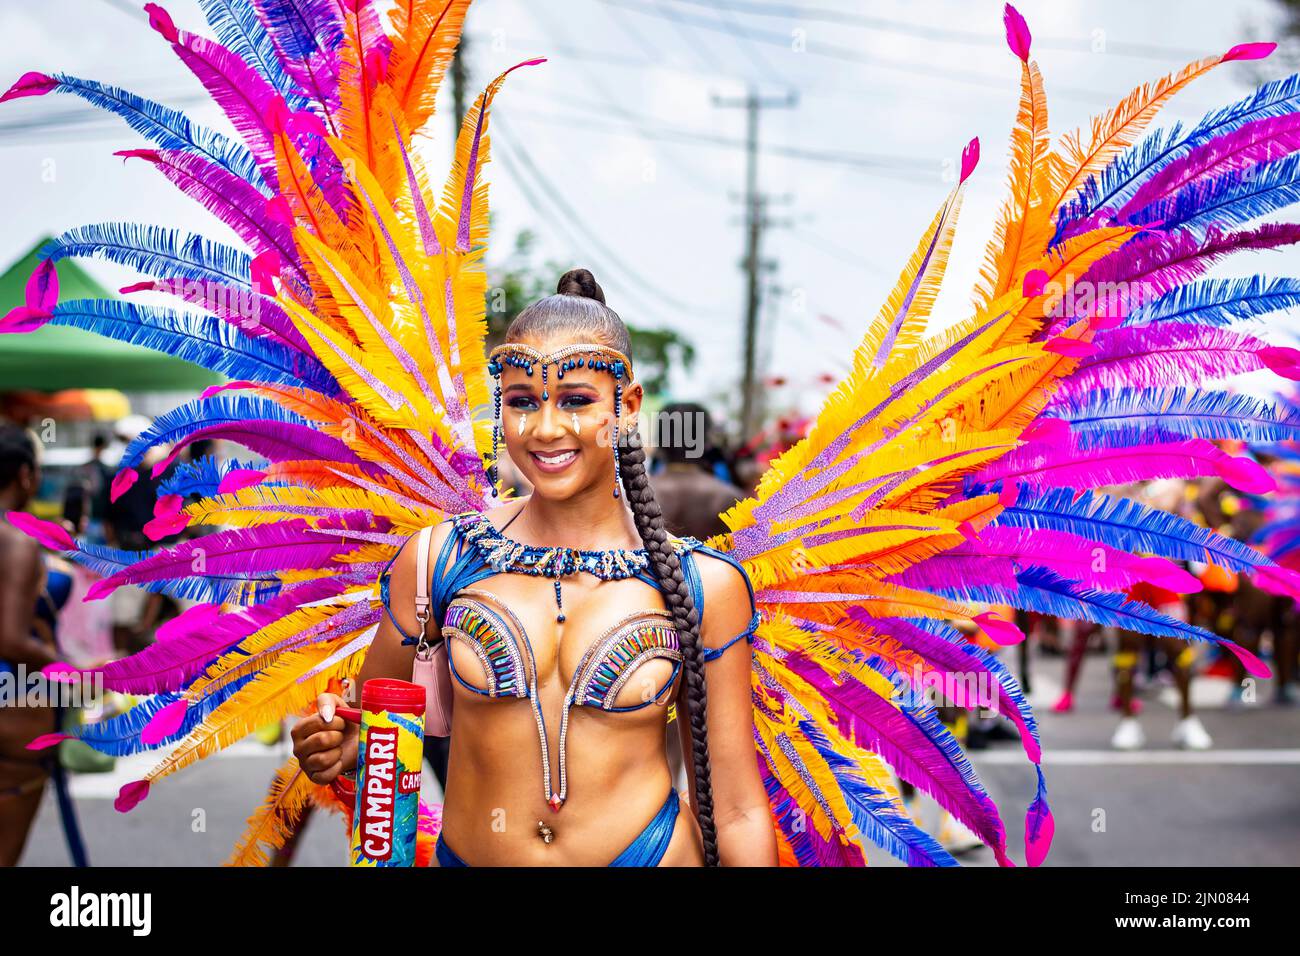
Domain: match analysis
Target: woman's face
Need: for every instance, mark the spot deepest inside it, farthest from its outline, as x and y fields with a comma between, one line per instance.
x=563, y=446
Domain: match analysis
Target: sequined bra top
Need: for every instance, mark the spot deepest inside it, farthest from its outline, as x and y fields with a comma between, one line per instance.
x=475, y=549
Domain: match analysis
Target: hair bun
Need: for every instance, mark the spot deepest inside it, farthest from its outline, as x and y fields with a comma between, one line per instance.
x=581, y=282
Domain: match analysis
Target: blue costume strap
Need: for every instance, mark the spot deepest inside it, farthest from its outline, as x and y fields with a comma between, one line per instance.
x=692, y=573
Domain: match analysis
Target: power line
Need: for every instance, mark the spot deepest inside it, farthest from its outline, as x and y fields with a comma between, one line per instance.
x=908, y=168
x=1147, y=51
x=571, y=217
x=848, y=54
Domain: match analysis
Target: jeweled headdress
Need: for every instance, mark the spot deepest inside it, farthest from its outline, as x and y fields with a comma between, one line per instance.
x=602, y=358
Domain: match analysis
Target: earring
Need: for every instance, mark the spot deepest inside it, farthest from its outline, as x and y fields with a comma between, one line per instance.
x=523, y=417
x=577, y=425
x=493, y=471
x=618, y=413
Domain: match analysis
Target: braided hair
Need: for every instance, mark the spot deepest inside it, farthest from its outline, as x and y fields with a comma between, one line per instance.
x=578, y=308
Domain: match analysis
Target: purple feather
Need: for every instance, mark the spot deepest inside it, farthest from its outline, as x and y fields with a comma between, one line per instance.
x=241, y=92
x=1257, y=142
x=1174, y=353
x=244, y=553
x=226, y=196
x=1054, y=466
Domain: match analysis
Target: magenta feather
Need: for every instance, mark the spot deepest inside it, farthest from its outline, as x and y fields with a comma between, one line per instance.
x=241, y=92
x=254, y=314
x=1072, y=557
x=1018, y=37
x=241, y=553
x=185, y=651
x=1175, y=353
x=1046, y=466
x=53, y=536
x=42, y=290
x=1256, y=142
x=956, y=659
x=233, y=201
x=1157, y=263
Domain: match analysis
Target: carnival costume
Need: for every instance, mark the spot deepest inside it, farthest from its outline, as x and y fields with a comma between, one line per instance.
x=948, y=471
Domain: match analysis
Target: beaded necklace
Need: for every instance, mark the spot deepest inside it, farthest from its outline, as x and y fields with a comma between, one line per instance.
x=504, y=554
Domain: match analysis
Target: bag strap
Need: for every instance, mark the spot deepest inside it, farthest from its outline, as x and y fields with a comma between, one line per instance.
x=422, y=579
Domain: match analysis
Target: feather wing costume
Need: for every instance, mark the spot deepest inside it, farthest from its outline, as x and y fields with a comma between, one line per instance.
x=949, y=471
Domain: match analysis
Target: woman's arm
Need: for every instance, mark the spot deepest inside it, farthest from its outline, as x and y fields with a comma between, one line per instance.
x=326, y=745
x=20, y=586
x=740, y=806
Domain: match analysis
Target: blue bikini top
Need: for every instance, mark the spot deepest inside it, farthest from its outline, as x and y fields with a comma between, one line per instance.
x=476, y=549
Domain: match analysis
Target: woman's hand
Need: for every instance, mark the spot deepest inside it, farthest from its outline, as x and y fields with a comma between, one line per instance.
x=324, y=744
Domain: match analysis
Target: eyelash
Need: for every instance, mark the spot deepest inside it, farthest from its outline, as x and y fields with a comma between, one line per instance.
x=567, y=403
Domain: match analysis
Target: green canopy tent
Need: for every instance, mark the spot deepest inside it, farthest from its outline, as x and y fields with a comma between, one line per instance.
x=57, y=357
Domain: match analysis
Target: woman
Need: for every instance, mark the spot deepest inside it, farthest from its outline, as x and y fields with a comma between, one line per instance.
x=27, y=608
x=557, y=431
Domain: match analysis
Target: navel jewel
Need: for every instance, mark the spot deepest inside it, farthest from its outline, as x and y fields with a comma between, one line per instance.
x=545, y=832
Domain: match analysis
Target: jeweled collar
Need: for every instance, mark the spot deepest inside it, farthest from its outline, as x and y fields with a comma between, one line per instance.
x=505, y=554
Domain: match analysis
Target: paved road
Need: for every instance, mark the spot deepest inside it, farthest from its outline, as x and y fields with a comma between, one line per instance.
x=1238, y=804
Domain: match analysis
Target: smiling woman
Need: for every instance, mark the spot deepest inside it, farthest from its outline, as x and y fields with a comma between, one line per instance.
x=615, y=647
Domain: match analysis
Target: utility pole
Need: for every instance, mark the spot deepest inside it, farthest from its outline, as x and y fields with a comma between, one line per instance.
x=459, y=83
x=755, y=222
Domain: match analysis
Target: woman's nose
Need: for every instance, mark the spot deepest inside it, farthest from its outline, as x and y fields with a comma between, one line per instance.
x=549, y=423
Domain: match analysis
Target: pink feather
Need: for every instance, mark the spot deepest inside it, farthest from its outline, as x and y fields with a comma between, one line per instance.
x=43, y=287
x=1018, y=38
x=130, y=796
x=164, y=723
x=30, y=84
x=53, y=536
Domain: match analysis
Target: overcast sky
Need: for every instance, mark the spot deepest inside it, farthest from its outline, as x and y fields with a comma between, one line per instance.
x=621, y=124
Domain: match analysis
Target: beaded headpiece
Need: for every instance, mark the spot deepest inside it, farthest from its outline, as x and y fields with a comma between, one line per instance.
x=602, y=358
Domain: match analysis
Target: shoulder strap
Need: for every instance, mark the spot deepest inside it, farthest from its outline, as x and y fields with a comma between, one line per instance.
x=422, y=576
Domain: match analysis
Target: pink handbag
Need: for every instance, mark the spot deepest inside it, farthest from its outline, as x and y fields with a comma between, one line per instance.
x=430, y=670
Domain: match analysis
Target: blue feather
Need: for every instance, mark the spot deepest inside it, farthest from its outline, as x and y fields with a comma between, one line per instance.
x=201, y=339
x=120, y=735
x=1129, y=526
x=218, y=409
x=878, y=817
x=1231, y=199
x=156, y=251
x=103, y=560
x=167, y=127
x=1105, y=418
x=1219, y=301
x=238, y=29
x=200, y=477
x=1135, y=165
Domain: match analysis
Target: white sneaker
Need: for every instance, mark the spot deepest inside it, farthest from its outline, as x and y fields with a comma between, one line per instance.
x=955, y=837
x=1190, y=734
x=1128, y=735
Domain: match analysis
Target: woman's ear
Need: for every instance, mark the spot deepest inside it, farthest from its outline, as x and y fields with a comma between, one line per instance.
x=632, y=396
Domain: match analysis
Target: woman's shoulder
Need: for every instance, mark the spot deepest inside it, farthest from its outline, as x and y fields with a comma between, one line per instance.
x=729, y=608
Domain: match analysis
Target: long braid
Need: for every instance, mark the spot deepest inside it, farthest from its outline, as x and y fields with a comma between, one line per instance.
x=677, y=595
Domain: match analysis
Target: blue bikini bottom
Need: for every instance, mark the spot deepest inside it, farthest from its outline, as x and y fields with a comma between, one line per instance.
x=646, y=850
